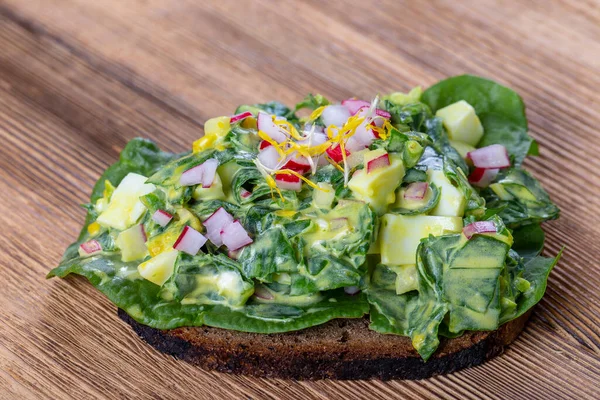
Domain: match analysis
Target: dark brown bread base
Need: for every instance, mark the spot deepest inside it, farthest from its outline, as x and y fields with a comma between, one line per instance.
x=339, y=349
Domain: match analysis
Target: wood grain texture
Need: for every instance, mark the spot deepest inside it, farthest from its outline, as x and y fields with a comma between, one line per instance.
x=79, y=78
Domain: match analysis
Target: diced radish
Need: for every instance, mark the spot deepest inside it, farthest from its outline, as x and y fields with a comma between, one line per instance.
x=288, y=182
x=265, y=123
x=297, y=163
x=363, y=137
x=338, y=223
x=264, y=144
x=262, y=293
x=190, y=241
x=490, y=157
x=379, y=162
x=308, y=128
x=354, y=105
x=316, y=139
x=90, y=248
x=234, y=236
x=336, y=115
x=201, y=174
x=162, y=218
x=382, y=113
x=416, y=191
x=479, y=227
x=269, y=157
x=215, y=224
x=351, y=290
x=335, y=153
x=239, y=117
x=481, y=177
x=244, y=194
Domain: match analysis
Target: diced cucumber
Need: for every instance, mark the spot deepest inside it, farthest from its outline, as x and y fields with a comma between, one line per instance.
x=452, y=202
x=159, y=269
x=125, y=207
x=406, y=278
x=378, y=186
x=462, y=148
x=461, y=122
x=213, y=192
x=132, y=243
x=324, y=198
x=401, y=235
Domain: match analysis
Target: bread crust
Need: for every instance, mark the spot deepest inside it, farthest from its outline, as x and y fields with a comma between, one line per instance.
x=338, y=349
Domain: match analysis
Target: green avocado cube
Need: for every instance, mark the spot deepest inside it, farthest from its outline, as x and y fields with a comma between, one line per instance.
x=461, y=122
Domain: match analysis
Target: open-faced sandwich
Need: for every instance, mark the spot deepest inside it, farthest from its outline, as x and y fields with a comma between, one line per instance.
x=395, y=238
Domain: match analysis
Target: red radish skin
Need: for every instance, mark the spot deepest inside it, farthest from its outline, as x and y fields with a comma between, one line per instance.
x=239, y=117
x=297, y=166
x=264, y=144
x=382, y=113
x=379, y=162
x=162, y=217
x=479, y=227
x=235, y=237
x=335, y=153
x=354, y=105
x=90, y=248
x=416, y=191
x=482, y=178
x=490, y=157
x=288, y=182
x=215, y=224
x=245, y=193
x=190, y=241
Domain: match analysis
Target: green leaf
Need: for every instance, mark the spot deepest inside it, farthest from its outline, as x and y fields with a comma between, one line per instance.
x=529, y=241
x=500, y=109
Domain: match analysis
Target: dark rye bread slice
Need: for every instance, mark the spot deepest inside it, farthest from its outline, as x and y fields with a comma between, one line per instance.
x=338, y=349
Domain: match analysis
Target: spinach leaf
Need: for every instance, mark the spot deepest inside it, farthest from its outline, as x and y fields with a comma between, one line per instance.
x=521, y=197
x=312, y=102
x=142, y=300
x=500, y=109
x=436, y=132
x=529, y=241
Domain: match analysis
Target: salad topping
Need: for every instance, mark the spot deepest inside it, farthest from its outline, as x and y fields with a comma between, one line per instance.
x=412, y=208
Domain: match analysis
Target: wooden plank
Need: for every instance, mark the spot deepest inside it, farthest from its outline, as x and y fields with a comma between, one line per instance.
x=79, y=78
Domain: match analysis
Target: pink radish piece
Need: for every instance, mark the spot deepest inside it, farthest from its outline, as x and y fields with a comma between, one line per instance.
x=313, y=140
x=262, y=293
x=244, y=194
x=269, y=157
x=354, y=105
x=90, y=248
x=234, y=236
x=264, y=144
x=265, y=123
x=190, y=241
x=416, y=191
x=483, y=177
x=379, y=162
x=215, y=224
x=336, y=115
x=239, y=117
x=382, y=113
x=297, y=163
x=335, y=153
x=351, y=290
x=479, y=227
x=490, y=157
x=162, y=218
x=288, y=182
x=201, y=174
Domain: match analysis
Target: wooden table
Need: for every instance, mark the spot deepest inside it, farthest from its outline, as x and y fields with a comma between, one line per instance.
x=78, y=78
